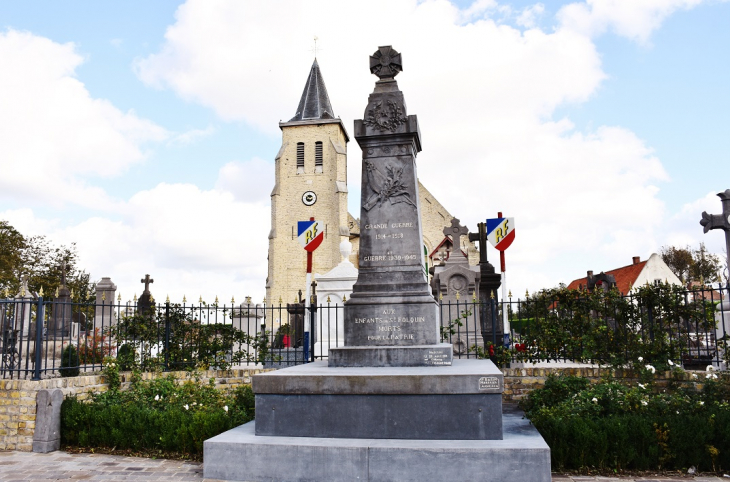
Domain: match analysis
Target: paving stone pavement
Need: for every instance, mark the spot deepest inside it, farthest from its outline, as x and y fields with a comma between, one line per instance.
x=25, y=466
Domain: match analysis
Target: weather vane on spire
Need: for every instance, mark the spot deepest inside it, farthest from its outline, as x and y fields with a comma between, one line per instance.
x=315, y=46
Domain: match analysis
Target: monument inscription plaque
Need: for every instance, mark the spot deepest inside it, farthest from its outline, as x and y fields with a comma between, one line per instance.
x=391, y=304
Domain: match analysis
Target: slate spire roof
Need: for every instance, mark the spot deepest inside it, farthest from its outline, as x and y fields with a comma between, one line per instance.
x=315, y=103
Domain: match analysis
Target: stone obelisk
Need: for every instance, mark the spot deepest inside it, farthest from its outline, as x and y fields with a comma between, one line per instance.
x=391, y=318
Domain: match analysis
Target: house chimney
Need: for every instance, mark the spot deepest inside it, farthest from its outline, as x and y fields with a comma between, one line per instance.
x=636, y=259
x=590, y=274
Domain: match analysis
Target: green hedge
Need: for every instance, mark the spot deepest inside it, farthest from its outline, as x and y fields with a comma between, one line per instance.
x=158, y=414
x=611, y=426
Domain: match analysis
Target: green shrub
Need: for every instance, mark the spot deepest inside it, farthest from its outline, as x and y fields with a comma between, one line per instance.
x=126, y=357
x=157, y=414
x=612, y=426
x=69, y=362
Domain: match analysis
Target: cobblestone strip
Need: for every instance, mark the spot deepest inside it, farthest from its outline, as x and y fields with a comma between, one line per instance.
x=28, y=466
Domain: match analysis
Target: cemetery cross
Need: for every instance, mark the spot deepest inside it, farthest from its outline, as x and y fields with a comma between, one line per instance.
x=147, y=280
x=456, y=231
x=720, y=221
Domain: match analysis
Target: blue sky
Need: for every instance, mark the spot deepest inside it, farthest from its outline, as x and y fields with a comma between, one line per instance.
x=602, y=127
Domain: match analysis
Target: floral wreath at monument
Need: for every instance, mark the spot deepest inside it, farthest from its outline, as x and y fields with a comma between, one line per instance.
x=383, y=120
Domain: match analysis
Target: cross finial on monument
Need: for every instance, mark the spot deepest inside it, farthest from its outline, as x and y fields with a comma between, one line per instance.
x=720, y=221
x=63, y=267
x=385, y=63
x=456, y=231
x=147, y=280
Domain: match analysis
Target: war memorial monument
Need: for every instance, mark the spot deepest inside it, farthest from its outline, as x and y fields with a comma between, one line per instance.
x=392, y=403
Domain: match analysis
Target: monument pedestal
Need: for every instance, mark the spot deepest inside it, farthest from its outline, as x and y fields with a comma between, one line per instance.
x=391, y=404
x=522, y=455
x=440, y=354
x=462, y=401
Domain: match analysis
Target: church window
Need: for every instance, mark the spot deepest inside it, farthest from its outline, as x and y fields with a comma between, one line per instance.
x=300, y=158
x=318, y=158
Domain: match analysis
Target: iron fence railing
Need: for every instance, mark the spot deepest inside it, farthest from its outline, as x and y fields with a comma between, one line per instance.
x=686, y=327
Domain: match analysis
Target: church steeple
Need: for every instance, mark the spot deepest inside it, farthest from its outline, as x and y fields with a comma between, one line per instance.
x=315, y=103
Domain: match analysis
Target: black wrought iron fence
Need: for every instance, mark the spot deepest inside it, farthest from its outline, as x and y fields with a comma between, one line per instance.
x=43, y=338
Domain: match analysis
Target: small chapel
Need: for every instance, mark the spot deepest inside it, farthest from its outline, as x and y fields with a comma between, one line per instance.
x=311, y=182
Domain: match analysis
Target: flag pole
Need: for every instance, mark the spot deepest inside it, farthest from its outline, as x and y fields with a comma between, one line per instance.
x=307, y=304
x=505, y=317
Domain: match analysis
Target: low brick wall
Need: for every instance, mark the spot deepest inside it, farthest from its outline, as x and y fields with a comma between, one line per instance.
x=18, y=398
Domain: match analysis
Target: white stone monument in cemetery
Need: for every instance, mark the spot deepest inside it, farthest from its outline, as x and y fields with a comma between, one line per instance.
x=106, y=292
x=333, y=288
x=391, y=404
x=248, y=318
x=23, y=308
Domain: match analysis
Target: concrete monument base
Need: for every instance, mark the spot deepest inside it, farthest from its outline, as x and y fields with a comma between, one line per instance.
x=440, y=354
x=239, y=455
x=462, y=401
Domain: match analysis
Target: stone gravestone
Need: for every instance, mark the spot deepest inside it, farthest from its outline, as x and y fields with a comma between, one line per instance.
x=23, y=308
x=455, y=284
x=146, y=302
x=62, y=308
x=391, y=319
x=47, y=432
x=489, y=283
x=106, y=292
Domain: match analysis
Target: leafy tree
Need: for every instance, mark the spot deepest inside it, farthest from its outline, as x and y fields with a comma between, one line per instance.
x=679, y=261
x=692, y=264
x=12, y=245
x=706, y=266
x=40, y=261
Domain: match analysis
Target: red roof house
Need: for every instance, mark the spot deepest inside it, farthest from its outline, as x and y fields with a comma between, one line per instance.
x=638, y=273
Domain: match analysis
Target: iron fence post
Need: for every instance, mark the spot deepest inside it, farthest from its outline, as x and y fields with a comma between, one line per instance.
x=312, y=324
x=493, y=309
x=38, y=339
x=167, y=336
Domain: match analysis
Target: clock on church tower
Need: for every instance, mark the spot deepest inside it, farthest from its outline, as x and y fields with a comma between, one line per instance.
x=310, y=181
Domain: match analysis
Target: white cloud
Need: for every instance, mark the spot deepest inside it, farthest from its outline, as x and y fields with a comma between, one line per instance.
x=184, y=237
x=634, y=19
x=684, y=229
x=191, y=136
x=529, y=15
x=53, y=133
x=250, y=181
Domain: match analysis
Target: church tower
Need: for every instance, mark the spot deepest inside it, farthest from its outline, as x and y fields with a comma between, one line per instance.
x=310, y=182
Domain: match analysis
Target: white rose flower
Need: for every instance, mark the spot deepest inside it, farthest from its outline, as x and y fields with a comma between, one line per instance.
x=671, y=363
x=225, y=408
x=702, y=403
x=157, y=397
x=651, y=369
x=709, y=368
x=641, y=358
x=595, y=400
x=187, y=407
x=644, y=403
